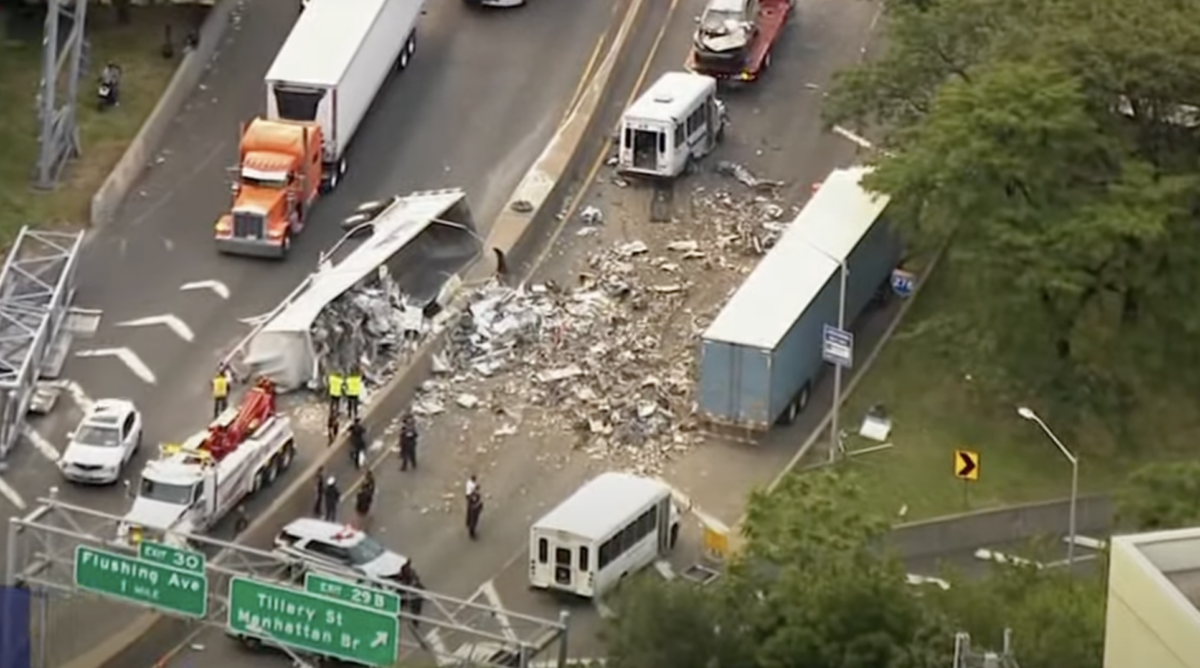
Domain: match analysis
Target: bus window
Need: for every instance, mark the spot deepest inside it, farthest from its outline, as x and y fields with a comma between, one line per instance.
x=585, y=558
x=662, y=142
x=543, y=550
x=628, y=137
x=680, y=138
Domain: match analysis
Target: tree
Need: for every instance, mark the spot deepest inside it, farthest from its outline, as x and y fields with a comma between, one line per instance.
x=1057, y=618
x=812, y=587
x=1058, y=141
x=1161, y=496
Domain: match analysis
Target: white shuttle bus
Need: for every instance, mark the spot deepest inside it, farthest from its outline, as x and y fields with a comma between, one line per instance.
x=677, y=120
x=614, y=525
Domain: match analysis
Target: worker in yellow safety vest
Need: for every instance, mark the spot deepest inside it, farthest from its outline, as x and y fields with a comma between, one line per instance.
x=336, y=384
x=220, y=391
x=353, y=392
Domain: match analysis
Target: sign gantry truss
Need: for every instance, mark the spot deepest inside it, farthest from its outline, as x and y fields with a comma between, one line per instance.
x=43, y=547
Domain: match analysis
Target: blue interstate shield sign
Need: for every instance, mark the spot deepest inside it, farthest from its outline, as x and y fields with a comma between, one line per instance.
x=14, y=627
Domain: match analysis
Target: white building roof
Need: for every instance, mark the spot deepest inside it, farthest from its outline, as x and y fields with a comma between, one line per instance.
x=808, y=254
x=671, y=96
x=324, y=41
x=602, y=505
x=395, y=228
x=1152, y=615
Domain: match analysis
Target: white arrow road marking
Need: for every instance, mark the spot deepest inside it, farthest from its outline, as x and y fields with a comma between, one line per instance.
x=381, y=638
x=44, y=446
x=80, y=397
x=488, y=589
x=127, y=357
x=917, y=580
x=172, y=322
x=218, y=288
x=12, y=495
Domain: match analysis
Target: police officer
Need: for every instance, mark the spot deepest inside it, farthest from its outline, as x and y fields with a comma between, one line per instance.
x=319, y=504
x=331, y=496
x=358, y=443
x=474, y=498
x=354, y=387
x=408, y=443
x=336, y=385
x=364, y=499
x=220, y=391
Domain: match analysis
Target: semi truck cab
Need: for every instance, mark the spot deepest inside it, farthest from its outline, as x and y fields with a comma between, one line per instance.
x=277, y=178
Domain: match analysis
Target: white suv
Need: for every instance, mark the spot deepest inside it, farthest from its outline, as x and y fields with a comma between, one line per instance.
x=334, y=545
x=103, y=443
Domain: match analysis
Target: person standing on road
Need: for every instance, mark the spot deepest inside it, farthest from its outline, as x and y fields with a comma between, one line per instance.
x=358, y=444
x=332, y=496
x=332, y=426
x=319, y=504
x=366, y=496
x=408, y=443
x=220, y=391
x=336, y=385
x=354, y=388
x=474, y=498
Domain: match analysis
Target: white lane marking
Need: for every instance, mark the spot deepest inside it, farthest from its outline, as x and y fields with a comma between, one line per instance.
x=217, y=287
x=42, y=444
x=79, y=396
x=862, y=142
x=553, y=663
x=488, y=589
x=11, y=494
x=172, y=323
x=127, y=357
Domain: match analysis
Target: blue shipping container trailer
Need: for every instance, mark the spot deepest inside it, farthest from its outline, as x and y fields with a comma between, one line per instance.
x=761, y=356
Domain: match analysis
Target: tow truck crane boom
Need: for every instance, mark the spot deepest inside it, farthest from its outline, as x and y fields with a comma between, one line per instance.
x=233, y=426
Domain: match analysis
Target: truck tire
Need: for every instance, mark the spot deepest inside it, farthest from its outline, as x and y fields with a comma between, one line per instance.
x=796, y=407
x=766, y=64
x=411, y=45
x=285, y=246
x=287, y=456
x=335, y=175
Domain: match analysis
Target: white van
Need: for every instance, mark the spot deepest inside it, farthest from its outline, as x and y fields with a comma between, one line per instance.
x=614, y=525
x=679, y=119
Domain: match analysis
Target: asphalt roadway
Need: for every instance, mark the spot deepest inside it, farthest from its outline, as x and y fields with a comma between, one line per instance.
x=777, y=129
x=473, y=111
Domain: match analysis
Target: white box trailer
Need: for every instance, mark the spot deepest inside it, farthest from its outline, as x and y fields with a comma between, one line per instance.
x=337, y=57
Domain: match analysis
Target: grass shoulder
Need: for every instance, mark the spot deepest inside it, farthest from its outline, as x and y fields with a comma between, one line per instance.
x=939, y=404
x=104, y=135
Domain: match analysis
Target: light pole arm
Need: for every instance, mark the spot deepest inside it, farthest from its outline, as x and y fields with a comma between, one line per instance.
x=1057, y=443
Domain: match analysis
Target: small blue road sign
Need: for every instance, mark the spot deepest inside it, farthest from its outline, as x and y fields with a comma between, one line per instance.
x=903, y=282
x=837, y=346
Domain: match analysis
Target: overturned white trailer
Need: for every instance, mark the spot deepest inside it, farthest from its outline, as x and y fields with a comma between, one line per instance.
x=291, y=346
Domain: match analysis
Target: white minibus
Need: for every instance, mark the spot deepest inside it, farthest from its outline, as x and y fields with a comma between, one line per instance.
x=614, y=525
x=677, y=120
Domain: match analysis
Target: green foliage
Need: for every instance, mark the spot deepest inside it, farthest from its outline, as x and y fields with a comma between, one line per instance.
x=814, y=587
x=1161, y=496
x=1055, y=142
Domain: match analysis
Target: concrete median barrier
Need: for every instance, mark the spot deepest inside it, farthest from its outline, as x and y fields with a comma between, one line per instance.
x=129, y=168
x=515, y=235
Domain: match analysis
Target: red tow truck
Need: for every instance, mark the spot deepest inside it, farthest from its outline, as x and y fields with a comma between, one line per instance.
x=734, y=38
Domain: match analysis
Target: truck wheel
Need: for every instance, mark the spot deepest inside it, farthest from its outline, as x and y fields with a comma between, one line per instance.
x=796, y=407
x=411, y=46
x=767, y=61
x=285, y=246
x=286, y=457
x=259, y=482
x=402, y=61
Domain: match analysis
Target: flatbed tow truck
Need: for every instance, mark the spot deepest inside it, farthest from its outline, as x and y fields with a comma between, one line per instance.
x=193, y=485
x=735, y=38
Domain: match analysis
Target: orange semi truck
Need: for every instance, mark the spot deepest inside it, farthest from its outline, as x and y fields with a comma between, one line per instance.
x=320, y=87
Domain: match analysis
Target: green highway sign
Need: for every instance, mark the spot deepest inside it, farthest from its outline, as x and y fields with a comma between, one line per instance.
x=343, y=590
x=185, y=560
x=139, y=581
x=314, y=623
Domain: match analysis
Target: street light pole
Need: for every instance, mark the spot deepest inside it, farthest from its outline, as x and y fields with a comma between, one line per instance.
x=835, y=439
x=1028, y=414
